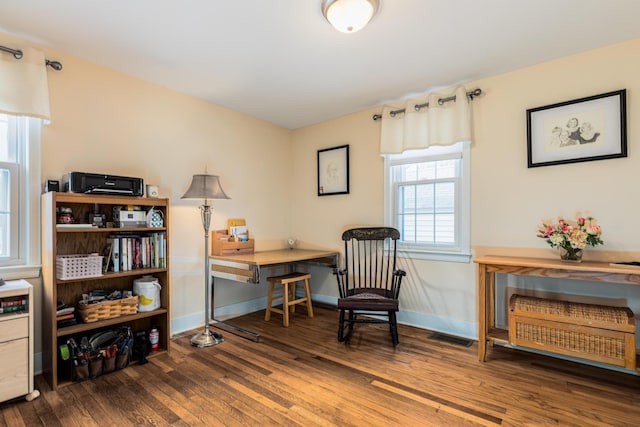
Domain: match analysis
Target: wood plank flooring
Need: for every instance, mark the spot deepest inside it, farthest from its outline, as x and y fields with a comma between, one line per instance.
x=302, y=376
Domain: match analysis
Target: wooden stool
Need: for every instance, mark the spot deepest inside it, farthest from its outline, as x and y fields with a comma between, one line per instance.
x=288, y=297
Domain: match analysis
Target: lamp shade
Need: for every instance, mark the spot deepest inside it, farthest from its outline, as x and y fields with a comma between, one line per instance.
x=205, y=187
x=349, y=16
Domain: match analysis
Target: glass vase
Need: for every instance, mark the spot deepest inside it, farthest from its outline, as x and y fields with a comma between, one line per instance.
x=570, y=254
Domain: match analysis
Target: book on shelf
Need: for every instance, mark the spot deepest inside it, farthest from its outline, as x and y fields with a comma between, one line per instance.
x=13, y=308
x=65, y=310
x=107, y=259
x=115, y=253
x=129, y=253
x=66, y=322
x=11, y=301
x=65, y=316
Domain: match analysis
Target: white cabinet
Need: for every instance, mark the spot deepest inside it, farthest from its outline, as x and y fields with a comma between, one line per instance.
x=16, y=341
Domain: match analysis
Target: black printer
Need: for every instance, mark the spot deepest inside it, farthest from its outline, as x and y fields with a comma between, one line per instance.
x=93, y=183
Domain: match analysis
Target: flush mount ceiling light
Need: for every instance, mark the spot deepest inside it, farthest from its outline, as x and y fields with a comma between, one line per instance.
x=349, y=16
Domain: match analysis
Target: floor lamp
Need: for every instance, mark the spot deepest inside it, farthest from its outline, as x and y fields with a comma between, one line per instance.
x=206, y=187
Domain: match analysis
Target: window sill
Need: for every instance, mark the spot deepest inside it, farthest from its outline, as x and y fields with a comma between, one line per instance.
x=20, y=272
x=434, y=256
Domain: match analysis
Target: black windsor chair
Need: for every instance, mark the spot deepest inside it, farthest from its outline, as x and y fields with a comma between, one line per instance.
x=369, y=283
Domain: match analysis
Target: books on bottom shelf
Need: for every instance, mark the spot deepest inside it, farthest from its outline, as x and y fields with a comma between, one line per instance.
x=65, y=315
x=132, y=252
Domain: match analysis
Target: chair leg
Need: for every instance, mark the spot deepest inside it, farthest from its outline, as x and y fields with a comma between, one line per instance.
x=341, y=326
x=352, y=321
x=307, y=293
x=285, y=304
x=393, y=326
x=292, y=295
x=267, y=314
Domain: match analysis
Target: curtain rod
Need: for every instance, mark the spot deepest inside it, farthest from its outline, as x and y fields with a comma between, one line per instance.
x=17, y=53
x=475, y=92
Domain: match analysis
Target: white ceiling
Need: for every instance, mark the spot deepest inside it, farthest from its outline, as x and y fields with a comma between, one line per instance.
x=280, y=61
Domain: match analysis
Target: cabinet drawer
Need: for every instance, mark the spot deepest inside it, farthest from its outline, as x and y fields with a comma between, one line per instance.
x=14, y=369
x=14, y=328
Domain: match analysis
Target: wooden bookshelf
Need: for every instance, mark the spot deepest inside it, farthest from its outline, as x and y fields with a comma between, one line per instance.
x=86, y=240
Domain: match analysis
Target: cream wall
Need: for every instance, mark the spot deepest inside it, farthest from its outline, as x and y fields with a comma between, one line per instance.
x=104, y=121
x=508, y=199
x=107, y=122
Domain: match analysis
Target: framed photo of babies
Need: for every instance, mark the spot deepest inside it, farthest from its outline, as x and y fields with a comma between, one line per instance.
x=585, y=129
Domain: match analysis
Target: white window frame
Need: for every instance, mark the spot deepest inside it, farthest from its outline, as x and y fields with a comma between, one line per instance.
x=459, y=252
x=24, y=260
x=13, y=168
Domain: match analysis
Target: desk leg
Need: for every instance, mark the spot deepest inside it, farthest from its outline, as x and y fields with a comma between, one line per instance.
x=226, y=326
x=482, y=312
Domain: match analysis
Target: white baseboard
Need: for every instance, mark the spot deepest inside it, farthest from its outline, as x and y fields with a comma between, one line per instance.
x=192, y=321
x=419, y=320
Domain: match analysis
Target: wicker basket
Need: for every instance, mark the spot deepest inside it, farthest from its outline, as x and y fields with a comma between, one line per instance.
x=107, y=309
x=78, y=266
x=594, y=332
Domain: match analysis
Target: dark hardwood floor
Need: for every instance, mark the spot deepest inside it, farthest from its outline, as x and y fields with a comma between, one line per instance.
x=302, y=376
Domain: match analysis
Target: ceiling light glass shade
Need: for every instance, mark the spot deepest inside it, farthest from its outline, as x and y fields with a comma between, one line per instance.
x=349, y=16
x=205, y=187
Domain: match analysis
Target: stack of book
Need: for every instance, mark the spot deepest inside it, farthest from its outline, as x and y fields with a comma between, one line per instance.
x=13, y=304
x=65, y=315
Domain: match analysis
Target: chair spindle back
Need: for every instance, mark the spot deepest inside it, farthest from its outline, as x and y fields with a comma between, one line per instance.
x=370, y=261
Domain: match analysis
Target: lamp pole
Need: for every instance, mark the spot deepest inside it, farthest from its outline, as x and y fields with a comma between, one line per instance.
x=205, y=186
x=207, y=337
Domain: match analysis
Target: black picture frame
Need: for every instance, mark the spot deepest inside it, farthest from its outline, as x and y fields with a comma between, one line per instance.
x=581, y=130
x=333, y=171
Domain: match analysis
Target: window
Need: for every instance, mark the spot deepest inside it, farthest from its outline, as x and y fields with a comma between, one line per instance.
x=19, y=191
x=427, y=200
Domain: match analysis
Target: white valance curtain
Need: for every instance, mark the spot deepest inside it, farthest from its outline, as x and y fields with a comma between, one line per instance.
x=441, y=123
x=23, y=84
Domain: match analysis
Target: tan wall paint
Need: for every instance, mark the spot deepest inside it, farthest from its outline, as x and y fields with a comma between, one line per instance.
x=508, y=199
x=104, y=121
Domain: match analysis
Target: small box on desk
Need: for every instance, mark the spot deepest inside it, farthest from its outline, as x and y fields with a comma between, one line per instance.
x=222, y=245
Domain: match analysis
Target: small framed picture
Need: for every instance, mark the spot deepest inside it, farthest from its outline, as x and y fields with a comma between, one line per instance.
x=333, y=171
x=585, y=129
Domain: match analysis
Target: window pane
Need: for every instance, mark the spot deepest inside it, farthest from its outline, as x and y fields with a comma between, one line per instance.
x=406, y=210
x=5, y=190
x=427, y=170
x=426, y=212
x=409, y=172
x=447, y=168
x=5, y=236
x=4, y=138
x=5, y=233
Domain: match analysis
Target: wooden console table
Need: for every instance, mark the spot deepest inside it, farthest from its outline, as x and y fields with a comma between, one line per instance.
x=489, y=265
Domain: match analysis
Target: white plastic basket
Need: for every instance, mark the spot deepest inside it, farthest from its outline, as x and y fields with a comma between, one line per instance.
x=76, y=266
